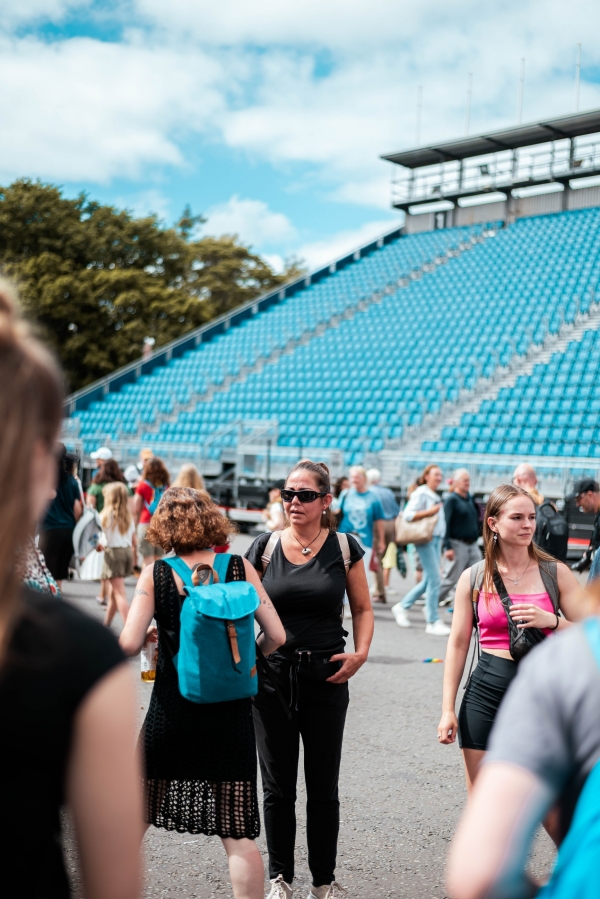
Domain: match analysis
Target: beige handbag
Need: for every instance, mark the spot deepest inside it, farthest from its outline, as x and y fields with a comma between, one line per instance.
x=415, y=532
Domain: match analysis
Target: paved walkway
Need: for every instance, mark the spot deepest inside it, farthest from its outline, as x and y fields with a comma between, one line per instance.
x=401, y=791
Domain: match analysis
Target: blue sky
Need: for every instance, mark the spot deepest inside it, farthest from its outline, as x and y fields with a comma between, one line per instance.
x=269, y=116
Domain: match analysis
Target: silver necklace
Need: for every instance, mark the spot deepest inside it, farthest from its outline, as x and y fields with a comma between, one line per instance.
x=520, y=576
x=306, y=551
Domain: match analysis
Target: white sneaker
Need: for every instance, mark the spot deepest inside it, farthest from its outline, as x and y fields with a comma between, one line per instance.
x=438, y=629
x=390, y=591
x=401, y=617
x=280, y=889
x=328, y=891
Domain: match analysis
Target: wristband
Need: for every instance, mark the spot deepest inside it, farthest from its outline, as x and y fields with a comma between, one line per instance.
x=556, y=625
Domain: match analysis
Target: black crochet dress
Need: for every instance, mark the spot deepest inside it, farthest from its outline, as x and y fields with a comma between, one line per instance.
x=200, y=759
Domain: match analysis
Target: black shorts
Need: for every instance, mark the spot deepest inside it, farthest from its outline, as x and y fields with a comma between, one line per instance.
x=489, y=682
x=56, y=546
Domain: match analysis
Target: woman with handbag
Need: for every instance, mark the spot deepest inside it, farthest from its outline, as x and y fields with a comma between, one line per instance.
x=513, y=599
x=422, y=523
x=303, y=690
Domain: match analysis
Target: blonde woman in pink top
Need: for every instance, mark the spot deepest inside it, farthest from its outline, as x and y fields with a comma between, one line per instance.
x=522, y=568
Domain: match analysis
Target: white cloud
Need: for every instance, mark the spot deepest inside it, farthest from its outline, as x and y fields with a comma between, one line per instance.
x=13, y=12
x=322, y=252
x=84, y=109
x=146, y=202
x=251, y=220
x=276, y=261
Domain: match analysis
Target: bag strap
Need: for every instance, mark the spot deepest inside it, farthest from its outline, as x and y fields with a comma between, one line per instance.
x=271, y=544
x=345, y=548
x=183, y=570
x=221, y=564
x=550, y=580
x=476, y=573
x=276, y=536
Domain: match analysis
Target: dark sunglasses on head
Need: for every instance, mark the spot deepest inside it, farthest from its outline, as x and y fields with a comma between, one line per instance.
x=305, y=496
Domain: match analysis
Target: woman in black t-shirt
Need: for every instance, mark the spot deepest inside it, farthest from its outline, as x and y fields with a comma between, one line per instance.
x=66, y=695
x=306, y=569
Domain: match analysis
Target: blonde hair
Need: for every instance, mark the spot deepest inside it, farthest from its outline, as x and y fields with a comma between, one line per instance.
x=116, y=507
x=189, y=476
x=31, y=401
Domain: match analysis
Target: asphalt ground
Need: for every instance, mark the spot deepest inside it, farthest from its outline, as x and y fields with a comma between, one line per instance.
x=401, y=792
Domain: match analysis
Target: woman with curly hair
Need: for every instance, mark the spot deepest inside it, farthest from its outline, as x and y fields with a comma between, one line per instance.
x=200, y=759
x=155, y=480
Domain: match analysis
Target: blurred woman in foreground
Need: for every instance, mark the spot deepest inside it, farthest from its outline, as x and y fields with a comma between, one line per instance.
x=66, y=695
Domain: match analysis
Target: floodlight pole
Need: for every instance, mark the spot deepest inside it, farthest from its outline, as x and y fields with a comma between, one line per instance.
x=520, y=96
x=419, y=108
x=577, y=76
x=468, y=104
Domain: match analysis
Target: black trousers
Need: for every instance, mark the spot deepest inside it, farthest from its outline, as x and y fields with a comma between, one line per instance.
x=319, y=720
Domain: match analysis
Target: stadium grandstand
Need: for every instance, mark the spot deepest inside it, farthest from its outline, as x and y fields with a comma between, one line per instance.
x=470, y=336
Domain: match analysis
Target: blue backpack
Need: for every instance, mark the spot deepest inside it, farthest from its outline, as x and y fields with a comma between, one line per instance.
x=216, y=661
x=157, y=495
x=575, y=875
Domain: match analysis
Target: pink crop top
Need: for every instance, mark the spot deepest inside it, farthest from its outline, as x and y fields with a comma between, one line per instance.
x=493, y=626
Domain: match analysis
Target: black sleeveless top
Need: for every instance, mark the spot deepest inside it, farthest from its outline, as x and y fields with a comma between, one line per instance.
x=56, y=655
x=200, y=760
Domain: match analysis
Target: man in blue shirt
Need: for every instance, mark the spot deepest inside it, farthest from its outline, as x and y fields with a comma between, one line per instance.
x=391, y=509
x=362, y=514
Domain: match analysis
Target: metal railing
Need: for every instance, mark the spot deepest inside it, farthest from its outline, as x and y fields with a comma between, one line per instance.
x=496, y=172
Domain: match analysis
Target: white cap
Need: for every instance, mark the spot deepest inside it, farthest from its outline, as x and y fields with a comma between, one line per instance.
x=131, y=474
x=102, y=453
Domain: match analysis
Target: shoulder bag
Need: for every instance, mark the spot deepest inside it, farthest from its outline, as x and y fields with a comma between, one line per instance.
x=523, y=640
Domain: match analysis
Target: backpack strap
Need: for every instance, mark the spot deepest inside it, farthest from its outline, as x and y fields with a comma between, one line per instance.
x=269, y=548
x=548, y=574
x=276, y=536
x=476, y=573
x=221, y=564
x=345, y=548
x=183, y=570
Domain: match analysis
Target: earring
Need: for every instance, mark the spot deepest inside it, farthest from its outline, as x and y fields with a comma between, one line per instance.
x=495, y=537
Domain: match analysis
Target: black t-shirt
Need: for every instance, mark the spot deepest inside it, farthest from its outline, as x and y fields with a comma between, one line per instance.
x=308, y=598
x=56, y=655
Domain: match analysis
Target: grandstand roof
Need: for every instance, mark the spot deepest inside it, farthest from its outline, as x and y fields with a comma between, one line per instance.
x=508, y=139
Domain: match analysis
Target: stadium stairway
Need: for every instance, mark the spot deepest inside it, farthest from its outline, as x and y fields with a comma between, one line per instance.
x=427, y=436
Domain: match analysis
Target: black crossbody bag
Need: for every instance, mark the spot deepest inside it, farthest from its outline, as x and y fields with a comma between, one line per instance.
x=523, y=640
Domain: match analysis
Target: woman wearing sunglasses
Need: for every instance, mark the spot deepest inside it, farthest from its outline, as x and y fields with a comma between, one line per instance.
x=303, y=692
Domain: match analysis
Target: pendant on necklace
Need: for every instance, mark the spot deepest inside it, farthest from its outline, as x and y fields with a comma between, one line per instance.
x=306, y=551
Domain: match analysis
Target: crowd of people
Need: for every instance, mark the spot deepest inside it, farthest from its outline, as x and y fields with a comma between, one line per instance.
x=528, y=727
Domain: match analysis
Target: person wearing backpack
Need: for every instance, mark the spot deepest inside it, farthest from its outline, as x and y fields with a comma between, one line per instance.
x=148, y=493
x=544, y=752
x=514, y=599
x=303, y=687
x=198, y=739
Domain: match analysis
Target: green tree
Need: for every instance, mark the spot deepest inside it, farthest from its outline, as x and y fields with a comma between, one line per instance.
x=98, y=281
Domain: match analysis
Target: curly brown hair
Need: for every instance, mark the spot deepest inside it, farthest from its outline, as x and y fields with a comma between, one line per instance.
x=187, y=520
x=156, y=472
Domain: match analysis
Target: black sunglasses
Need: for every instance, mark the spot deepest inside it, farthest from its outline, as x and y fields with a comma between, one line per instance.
x=305, y=496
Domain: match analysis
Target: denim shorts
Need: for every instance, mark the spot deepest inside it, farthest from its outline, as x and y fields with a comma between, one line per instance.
x=489, y=682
